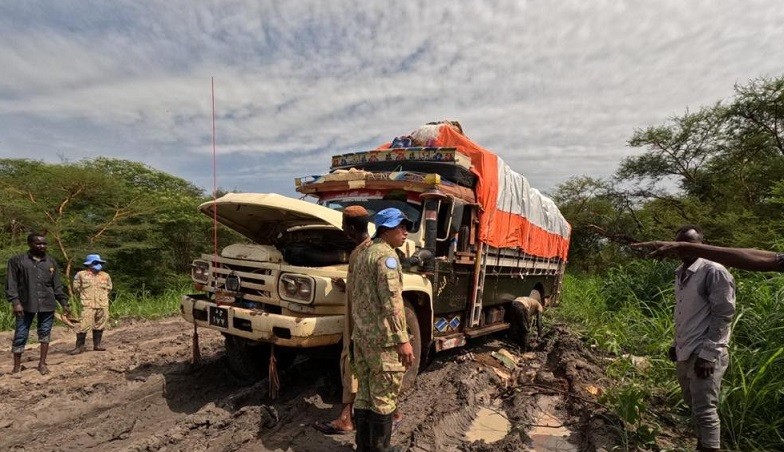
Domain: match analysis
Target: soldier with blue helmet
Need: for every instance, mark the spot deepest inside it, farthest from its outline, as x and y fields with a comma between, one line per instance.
x=381, y=348
x=92, y=285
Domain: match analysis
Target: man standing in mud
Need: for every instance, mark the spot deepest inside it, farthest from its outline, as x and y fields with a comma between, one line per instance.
x=381, y=348
x=93, y=286
x=704, y=306
x=355, y=222
x=33, y=287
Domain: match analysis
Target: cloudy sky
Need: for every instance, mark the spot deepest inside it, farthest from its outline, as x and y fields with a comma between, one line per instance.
x=555, y=88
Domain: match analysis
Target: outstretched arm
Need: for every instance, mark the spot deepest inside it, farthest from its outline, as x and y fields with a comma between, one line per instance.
x=742, y=258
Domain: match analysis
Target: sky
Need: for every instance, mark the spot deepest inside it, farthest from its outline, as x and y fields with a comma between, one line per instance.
x=555, y=88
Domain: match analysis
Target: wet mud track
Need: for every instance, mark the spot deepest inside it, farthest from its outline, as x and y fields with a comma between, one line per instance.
x=143, y=394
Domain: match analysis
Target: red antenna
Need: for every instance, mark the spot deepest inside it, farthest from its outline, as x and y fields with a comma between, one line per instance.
x=214, y=178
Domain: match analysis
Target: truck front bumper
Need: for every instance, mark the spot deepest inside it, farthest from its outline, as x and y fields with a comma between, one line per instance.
x=284, y=330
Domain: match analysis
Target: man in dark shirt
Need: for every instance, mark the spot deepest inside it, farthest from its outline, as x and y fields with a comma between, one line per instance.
x=33, y=287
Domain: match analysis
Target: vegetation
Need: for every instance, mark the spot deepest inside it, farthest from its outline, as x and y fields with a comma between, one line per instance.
x=722, y=168
x=142, y=221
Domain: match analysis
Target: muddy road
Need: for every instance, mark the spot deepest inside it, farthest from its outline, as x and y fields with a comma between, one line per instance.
x=143, y=394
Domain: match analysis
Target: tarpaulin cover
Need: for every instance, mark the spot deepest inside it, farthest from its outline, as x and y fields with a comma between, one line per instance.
x=514, y=215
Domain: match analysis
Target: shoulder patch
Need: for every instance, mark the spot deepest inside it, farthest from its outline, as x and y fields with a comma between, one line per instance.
x=391, y=263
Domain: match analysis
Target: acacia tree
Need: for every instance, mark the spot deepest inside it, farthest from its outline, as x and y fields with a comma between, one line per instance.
x=721, y=167
x=725, y=160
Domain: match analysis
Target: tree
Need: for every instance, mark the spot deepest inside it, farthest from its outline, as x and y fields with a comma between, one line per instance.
x=725, y=161
x=602, y=221
x=142, y=220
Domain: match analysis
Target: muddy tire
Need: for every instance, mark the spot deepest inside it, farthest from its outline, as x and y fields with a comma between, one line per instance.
x=415, y=336
x=249, y=362
x=518, y=319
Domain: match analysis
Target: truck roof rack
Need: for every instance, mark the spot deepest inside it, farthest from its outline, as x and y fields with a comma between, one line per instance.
x=447, y=162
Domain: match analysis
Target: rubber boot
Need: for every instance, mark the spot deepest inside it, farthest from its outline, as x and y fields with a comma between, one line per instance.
x=42, y=361
x=17, y=363
x=362, y=429
x=97, y=335
x=380, y=432
x=80, y=338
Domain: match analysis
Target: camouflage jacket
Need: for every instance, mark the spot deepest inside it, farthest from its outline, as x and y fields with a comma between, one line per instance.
x=93, y=288
x=376, y=287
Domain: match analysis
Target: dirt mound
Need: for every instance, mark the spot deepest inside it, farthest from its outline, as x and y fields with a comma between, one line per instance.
x=143, y=394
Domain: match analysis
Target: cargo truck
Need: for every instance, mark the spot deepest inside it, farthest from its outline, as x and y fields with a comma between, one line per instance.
x=481, y=237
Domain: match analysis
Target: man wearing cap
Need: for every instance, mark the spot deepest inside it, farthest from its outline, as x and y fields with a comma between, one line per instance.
x=33, y=287
x=93, y=286
x=381, y=348
x=355, y=222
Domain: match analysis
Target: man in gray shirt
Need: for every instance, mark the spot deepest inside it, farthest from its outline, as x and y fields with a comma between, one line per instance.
x=33, y=287
x=704, y=306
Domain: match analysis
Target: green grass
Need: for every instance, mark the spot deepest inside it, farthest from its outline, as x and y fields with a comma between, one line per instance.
x=628, y=311
x=140, y=305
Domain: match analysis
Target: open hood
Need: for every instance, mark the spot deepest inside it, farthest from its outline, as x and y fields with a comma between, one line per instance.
x=262, y=216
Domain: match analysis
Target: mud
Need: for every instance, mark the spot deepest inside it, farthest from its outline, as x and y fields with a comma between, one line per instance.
x=144, y=394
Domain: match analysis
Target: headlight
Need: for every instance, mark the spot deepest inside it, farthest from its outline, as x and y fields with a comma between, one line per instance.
x=200, y=271
x=296, y=288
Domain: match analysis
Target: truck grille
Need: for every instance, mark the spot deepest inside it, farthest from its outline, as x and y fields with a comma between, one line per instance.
x=249, y=279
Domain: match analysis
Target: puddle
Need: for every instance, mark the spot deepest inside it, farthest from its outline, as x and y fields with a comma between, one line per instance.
x=549, y=434
x=489, y=424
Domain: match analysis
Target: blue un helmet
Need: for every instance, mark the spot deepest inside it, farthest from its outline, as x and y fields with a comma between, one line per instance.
x=93, y=259
x=391, y=218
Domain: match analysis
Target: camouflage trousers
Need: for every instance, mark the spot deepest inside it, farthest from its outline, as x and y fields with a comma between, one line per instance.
x=93, y=319
x=380, y=377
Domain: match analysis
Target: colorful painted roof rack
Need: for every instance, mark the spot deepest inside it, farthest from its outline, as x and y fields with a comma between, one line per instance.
x=445, y=161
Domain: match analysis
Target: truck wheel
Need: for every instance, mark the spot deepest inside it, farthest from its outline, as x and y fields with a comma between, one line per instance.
x=518, y=319
x=249, y=362
x=415, y=336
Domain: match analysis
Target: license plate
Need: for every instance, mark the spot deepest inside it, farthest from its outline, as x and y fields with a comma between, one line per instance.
x=219, y=317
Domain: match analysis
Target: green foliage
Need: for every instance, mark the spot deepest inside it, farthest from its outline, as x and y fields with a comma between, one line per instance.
x=601, y=222
x=721, y=167
x=145, y=305
x=144, y=222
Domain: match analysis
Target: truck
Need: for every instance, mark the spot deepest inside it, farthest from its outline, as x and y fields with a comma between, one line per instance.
x=481, y=238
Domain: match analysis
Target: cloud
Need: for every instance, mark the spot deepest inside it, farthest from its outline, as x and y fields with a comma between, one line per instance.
x=555, y=89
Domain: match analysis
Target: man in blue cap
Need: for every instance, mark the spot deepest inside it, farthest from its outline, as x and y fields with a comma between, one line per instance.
x=92, y=285
x=381, y=348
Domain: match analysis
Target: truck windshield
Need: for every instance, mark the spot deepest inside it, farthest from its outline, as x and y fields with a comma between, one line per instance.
x=412, y=211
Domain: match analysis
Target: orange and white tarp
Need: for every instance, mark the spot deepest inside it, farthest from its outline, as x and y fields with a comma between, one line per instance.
x=514, y=215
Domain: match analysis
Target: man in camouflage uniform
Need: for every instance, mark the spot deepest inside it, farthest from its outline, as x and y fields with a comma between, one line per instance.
x=93, y=286
x=381, y=348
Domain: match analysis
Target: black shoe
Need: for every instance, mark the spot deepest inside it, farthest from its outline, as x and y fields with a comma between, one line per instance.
x=97, y=335
x=380, y=431
x=80, y=338
x=362, y=429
